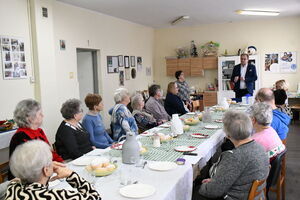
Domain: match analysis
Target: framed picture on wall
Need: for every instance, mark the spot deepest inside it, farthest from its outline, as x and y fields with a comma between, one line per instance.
x=132, y=61
x=126, y=61
x=112, y=64
x=120, y=57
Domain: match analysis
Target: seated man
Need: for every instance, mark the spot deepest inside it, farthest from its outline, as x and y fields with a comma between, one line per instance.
x=154, y=106
x=280, y=120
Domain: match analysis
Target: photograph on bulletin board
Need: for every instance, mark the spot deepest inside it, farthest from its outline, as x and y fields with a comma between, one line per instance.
x=13, y=58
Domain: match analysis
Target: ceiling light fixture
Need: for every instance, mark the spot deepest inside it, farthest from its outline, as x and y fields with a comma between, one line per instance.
x=257, y=12
x=179, y=19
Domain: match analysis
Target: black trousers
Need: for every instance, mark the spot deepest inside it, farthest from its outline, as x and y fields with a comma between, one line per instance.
x=240, y=93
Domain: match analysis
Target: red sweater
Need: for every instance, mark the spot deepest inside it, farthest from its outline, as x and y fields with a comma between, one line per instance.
x=25, y=134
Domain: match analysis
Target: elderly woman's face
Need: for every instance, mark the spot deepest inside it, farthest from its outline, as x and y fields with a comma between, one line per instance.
x=142, y=103
x=78, y=116
x=99, y=107
x=38, y=119
x=126, y=100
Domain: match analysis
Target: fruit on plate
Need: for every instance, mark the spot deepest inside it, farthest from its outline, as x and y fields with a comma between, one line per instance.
x=186, y=128
x=200, y=116
x=143, y=150
x=164, y=138
x=101, y=167
x=191, y=121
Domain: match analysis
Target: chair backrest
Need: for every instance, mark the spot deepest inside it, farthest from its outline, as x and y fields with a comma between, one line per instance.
x=258, y=187
x=3, y=171
x=275, y=169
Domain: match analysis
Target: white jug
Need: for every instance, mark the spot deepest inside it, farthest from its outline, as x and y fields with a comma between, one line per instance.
x=224, y=103
x=176, y=125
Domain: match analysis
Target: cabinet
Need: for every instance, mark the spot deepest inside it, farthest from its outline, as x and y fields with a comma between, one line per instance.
x=184, y=64
x=210, y=62
x=210, y=98
x=197, y=67
x=191, y=66
x=225, y=68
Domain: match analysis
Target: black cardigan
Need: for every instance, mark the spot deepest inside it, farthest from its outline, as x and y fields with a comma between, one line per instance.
x=174, y=105
x=72, y=143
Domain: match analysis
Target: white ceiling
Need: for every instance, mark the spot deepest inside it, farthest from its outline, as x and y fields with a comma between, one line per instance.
x=159, y=13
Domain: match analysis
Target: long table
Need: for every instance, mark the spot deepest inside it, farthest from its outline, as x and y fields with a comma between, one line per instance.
x=170, y=185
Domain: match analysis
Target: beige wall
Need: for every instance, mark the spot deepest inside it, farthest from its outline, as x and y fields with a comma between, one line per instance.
x=81, y=28
x=15, y=25
x=109, y=35
x=275, y=35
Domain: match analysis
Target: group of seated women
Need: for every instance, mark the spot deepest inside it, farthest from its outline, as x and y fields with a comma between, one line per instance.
x=251, y=143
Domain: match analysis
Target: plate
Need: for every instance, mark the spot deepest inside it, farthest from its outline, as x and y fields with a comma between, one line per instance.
x=83, y=161
x=117, y=146
x=165, y=125
x=185, y=148
x=137, y=191
x=162, y=166
x=211, y=127
x=190, y=113
x=219, y=121
x=199, y=135
x=52, y=184
x=146, y=133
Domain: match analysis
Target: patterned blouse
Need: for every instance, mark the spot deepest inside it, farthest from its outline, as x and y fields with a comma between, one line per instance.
x=183, y=91
x=38, y=191
x=122, y=121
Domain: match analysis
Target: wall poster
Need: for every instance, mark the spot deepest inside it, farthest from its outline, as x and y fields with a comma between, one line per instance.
x=283, y=62
x=13, y=57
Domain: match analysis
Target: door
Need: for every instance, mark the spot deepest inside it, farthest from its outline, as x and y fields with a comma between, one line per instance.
x=87, y=73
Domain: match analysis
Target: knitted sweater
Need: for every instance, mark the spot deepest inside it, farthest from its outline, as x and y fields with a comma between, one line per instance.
x=236, y=172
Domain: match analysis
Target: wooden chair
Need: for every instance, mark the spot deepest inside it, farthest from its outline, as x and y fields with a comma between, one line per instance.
x=3, y=171
x=258, y=186
x=276, y=179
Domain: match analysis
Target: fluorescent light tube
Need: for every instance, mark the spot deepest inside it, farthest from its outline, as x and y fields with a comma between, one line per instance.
x=180, y=19
x=257, y=12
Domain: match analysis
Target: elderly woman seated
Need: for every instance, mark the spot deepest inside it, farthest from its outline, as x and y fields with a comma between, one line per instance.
x=143, y=119
x=93, y=123
x=261, y=114
x=238, y=168
x=122, y=120
x=29, y=117
x=34, y=175
x=72, y=140
x=173, y=103
x=154, y=104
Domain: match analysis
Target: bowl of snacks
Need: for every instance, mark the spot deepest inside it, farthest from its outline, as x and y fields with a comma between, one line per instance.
x=164, y=138
x=186, y=128
x=101, y=167
x=191, y=121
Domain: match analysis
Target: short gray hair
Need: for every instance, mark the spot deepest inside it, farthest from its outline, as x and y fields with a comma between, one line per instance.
x=70, y=108
x=262, y=113
x=135, y=101
x=25, y=110
x=30, y=170
x=120, y=94
x=237, y=125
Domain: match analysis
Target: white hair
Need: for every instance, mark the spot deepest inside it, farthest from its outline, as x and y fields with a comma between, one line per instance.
x=120, y=94
x=135, y=101
x=25, y=110
x=262, y=113
x=29, y=159
x=237, y=125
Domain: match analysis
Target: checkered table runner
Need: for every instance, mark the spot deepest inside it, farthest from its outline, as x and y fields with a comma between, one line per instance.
x=166, y=152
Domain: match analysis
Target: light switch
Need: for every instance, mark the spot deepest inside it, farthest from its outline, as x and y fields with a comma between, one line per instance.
x=71, y=75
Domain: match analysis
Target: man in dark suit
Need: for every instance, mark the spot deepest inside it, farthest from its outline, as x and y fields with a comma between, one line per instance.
x=244, y=77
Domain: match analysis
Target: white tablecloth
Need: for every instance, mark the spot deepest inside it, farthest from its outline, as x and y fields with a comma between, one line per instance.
x=170, y=185
x=5, y=138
